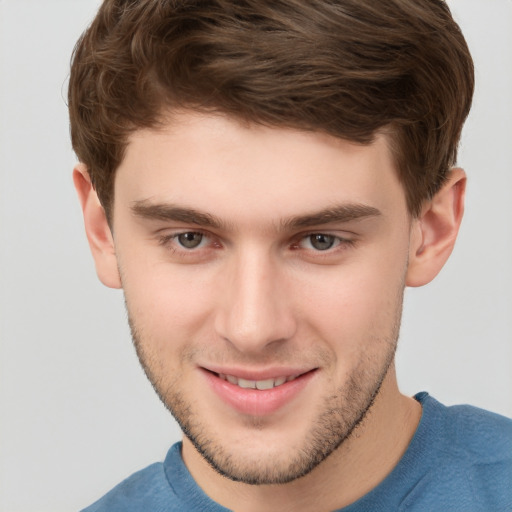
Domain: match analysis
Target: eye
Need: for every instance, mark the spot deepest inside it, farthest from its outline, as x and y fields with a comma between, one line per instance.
x=320, y=241
x=190, y=239
x=190, y=246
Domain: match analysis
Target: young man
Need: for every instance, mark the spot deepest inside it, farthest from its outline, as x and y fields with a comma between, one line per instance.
x=263, y=179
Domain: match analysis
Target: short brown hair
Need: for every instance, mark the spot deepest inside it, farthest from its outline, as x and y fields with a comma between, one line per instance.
x=346, y=67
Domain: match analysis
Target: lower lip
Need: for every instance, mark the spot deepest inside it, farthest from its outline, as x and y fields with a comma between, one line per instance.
x=257, y=402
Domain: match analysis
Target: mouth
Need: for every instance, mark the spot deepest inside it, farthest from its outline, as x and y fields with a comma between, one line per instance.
x=262, y=385
x=258, y=393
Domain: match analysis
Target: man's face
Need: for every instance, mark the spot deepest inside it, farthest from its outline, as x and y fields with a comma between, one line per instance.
x=255, y=257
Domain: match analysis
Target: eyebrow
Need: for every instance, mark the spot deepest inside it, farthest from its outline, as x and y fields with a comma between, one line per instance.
x=334, y=214
x=170, y=212
x=342, y=213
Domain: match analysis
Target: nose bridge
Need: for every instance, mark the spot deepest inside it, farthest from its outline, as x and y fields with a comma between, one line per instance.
x=256, y=310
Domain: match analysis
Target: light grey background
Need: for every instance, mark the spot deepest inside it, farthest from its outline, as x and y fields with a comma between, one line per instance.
x=77, y=414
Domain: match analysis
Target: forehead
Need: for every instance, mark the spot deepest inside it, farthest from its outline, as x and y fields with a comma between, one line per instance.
x=213, y=162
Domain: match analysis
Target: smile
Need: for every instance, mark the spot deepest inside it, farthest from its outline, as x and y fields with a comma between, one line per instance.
x=258, y=395
x=257, y=384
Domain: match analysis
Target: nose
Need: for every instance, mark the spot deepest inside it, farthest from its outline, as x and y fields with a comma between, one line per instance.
x=255, y=304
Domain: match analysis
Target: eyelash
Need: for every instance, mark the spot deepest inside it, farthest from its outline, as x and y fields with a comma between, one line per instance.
x=339, y=241
x=170, y=242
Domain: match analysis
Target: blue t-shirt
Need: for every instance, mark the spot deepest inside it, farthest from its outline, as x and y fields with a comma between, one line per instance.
x=459, y=460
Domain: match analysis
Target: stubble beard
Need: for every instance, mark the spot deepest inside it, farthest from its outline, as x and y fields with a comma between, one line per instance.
x=338, y=418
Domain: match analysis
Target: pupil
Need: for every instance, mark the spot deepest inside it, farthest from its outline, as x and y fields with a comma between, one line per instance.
x=322, y=242
x=190, y=240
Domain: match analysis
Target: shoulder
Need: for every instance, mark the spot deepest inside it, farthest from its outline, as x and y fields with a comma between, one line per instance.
x=471, y=455
x=482, y=435
x=166, y=486
x=467, y=428
x=467, y=434
x=144, y=490
x=485, y=439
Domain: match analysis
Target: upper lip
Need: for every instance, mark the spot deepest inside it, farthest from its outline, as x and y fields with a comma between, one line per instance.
x=260, y=373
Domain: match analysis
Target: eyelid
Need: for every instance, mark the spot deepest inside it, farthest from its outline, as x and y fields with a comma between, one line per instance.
x=170, y=237
x=211, y=241
x=348, y=238
x=336, y=241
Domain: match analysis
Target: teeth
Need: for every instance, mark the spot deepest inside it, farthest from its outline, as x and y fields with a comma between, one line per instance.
x=247, y=383
x=265, y=384
x=231, y=379
x=256, y=384
x=279, y=381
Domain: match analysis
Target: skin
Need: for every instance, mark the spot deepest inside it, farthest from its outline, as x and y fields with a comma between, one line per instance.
x=259, y=296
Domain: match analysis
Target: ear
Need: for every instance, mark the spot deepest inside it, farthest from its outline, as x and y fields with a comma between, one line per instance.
x=97, y=229
x=434, y=232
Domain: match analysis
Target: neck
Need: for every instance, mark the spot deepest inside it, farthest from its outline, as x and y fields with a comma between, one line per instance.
x=354, y=469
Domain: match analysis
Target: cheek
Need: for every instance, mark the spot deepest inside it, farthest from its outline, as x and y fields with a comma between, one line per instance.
x=353, y=306
x=167, y=304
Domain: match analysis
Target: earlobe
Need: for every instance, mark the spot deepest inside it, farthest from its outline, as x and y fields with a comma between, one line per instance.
x=97, y=229
x=434, y=233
